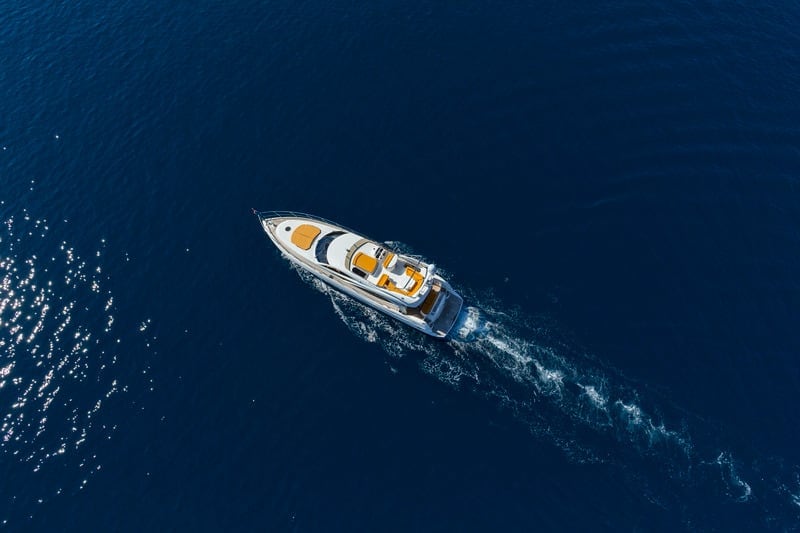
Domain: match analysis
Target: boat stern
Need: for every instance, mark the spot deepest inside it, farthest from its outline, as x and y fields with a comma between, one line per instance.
x=445, y=318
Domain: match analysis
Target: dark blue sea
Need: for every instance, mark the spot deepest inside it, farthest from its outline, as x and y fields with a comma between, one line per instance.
x=614, y=187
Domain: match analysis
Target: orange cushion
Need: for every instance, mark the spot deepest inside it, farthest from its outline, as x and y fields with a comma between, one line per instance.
x=365, y=262
x=304, y=235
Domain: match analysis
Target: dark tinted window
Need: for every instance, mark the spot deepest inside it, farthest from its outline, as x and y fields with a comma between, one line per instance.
x=321, y=251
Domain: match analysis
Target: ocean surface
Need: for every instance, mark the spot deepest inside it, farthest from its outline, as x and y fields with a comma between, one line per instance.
x=613, y=186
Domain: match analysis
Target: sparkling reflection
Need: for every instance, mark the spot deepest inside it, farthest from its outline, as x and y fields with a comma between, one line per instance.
x=58, y=355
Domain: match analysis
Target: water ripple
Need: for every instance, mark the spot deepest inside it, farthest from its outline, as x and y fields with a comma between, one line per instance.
x=59, y=348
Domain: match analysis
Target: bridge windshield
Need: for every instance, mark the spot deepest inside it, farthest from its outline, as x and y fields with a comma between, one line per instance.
x=321, y=251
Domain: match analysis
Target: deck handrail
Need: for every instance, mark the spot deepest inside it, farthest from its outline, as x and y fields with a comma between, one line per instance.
x=270, y=214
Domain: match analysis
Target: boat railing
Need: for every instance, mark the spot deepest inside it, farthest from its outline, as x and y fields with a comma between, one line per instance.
x=272, y=214
x=411, y=259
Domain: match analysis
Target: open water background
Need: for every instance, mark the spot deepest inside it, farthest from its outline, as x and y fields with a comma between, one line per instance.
x=614, y=185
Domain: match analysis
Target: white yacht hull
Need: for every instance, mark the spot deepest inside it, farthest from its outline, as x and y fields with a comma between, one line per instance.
x=433, y=314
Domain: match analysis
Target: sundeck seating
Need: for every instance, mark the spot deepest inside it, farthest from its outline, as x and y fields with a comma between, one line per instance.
x=412, y=286
x=304, y=235
x=387, y=263
x=416, y=280
x=365, y=262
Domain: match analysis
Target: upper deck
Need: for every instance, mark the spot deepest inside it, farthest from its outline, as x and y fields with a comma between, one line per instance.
x=320, y=242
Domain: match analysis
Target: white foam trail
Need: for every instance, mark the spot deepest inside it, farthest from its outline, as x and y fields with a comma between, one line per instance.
x=471, y=325
x=561, y=394
x=738, y=488
x=594, y=396
x=523, y=359
x=515, y=353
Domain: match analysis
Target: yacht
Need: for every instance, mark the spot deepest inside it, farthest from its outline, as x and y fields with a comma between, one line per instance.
x=398, y=285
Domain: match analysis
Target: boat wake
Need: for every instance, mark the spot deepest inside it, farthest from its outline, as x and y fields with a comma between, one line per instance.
x=471, y=325
x=593, y=413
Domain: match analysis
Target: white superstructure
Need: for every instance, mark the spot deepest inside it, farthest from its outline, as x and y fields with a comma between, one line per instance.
x=396, y=284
